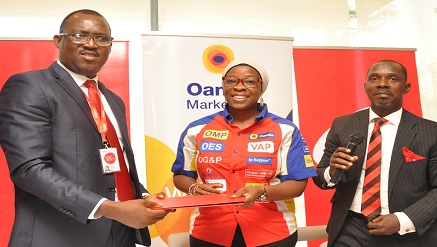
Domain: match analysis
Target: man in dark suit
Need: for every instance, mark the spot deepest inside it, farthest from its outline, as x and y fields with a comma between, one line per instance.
x=52, y=144
x=407, y=194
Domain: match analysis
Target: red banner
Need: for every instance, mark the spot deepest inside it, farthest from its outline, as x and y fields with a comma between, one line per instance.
x=330, y=83
x=24, y=55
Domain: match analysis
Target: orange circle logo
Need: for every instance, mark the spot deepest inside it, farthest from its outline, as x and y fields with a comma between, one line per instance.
x=217, y=57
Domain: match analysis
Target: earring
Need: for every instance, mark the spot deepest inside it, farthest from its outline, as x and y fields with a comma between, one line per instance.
x=261, y=101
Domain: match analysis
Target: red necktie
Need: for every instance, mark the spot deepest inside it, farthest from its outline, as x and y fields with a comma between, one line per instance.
x=371, y=201
x=123, y=181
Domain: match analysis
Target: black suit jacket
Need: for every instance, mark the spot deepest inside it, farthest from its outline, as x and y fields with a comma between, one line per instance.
x=411, y=185
x=51, y=144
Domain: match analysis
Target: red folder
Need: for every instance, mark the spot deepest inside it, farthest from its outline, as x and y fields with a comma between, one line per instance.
x=197, y=201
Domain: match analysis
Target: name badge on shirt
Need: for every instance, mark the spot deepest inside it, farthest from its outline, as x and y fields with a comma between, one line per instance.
x=217, y=181
x=109, y=158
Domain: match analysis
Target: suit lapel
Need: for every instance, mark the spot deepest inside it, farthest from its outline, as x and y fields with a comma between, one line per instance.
x=404, y=137
x=65, y=81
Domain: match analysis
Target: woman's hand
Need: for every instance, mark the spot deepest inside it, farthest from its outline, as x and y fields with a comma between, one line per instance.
x=205, y=189
x=251, y=193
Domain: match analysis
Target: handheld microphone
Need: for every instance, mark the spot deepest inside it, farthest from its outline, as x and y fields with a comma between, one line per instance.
x=356, y=139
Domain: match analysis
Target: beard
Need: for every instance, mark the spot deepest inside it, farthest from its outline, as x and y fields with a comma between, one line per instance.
x=383, y=103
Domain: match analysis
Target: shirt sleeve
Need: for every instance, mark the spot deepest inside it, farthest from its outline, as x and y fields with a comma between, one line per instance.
x=407, y=226
x=326, y=175
x=93, y=215
x=185, y=162
x=295, y=154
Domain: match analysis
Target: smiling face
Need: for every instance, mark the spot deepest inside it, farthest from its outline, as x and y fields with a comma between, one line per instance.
x=89, y=58
x=385, y=86
x=240, y=97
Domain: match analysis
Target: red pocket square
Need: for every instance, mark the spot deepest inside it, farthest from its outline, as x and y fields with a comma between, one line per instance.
x=410, y=156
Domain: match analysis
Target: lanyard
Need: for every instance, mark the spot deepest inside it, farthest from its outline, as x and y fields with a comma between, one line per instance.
x=99, y=120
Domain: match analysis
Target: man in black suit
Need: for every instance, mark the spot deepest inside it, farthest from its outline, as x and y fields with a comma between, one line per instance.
x=53, y=143
x=408, y=178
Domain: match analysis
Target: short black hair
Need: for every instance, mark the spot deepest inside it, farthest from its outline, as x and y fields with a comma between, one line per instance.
x=404, y=70
x=83, y=11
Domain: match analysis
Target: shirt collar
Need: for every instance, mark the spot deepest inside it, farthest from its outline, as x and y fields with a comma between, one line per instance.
x=79, y=79
x=263, y=113
x=394, y=118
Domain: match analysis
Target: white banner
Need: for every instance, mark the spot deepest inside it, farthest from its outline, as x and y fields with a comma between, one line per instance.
x=182, y=82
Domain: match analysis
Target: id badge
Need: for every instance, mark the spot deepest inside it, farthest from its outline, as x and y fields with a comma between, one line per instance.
x=217, y=181
x=109, y=158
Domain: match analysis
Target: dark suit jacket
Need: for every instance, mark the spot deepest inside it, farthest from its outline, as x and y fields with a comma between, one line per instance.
x=411, y=186
x=51, y=143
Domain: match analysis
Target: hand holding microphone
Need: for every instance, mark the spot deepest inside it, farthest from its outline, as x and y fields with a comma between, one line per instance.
x=356, y=139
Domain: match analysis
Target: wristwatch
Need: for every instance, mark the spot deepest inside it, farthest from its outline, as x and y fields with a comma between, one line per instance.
x=263, y=196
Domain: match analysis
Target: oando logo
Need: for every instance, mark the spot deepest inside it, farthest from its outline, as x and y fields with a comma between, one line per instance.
x=207, y=96
x=216, y=57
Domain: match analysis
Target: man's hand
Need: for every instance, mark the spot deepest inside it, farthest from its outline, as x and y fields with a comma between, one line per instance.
x=132, y=213
x=384, y=225
x=341, y=159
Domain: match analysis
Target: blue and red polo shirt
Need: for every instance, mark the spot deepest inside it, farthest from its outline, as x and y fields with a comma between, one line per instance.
x=268, y=152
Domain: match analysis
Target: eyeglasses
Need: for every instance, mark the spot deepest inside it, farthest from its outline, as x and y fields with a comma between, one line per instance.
x=247, y=82
x=81, y=38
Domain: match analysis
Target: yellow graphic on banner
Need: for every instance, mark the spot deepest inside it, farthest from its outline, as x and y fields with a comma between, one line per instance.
x=159, y=159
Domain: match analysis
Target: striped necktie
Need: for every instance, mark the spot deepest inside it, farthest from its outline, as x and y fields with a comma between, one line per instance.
x=371, y=201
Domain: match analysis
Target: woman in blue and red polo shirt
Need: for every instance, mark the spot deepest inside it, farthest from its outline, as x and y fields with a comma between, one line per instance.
x=244, y=151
